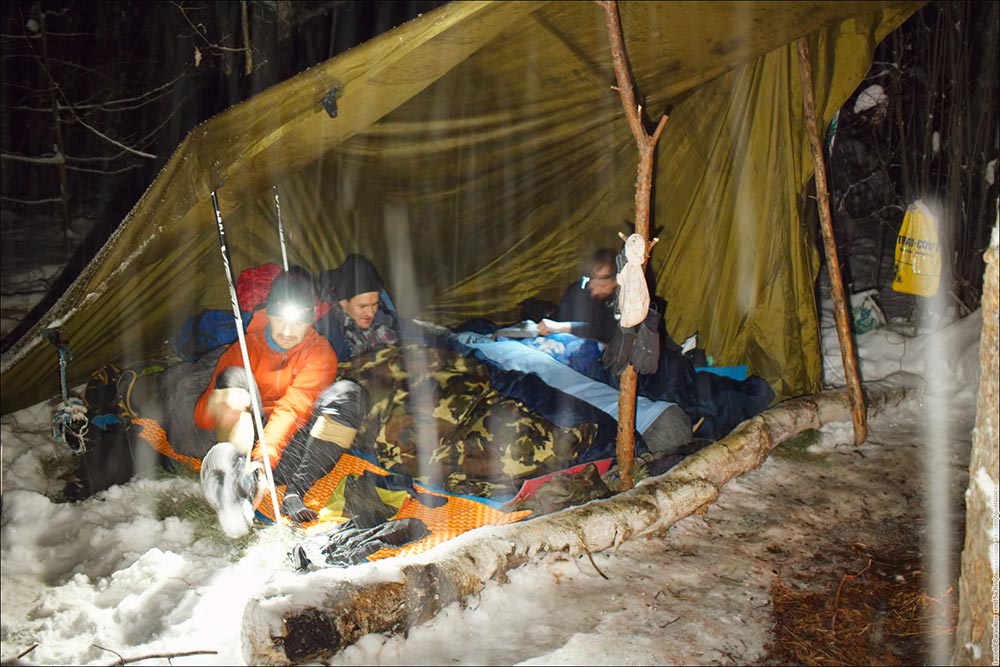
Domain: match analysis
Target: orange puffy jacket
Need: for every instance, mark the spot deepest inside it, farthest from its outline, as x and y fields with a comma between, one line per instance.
x=289, y=382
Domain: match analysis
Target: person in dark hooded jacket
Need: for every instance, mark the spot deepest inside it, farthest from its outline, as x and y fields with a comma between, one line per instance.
x=587, y=306
x=362, y=318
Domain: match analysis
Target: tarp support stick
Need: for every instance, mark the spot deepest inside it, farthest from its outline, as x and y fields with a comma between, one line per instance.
x=847, y=353
x=254, y=393
x=646, y=144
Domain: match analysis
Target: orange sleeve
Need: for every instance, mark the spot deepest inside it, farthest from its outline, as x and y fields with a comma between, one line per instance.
x=294, y=409
x=233, y=356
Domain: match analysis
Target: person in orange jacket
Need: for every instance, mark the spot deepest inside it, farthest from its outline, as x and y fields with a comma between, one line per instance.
x=311, y=417
x=291, y=364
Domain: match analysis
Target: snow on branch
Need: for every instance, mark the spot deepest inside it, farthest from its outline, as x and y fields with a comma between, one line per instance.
x=112, y=141
x=30, y=202
x=54, y=158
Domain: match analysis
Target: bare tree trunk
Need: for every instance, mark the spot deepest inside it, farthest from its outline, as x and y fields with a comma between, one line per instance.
x=976, y=633
x=847, y=353
x=248, y=66
x=57, y=135
x=646, y=144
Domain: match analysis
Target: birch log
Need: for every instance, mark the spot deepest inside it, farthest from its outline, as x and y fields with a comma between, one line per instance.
x=279, y=627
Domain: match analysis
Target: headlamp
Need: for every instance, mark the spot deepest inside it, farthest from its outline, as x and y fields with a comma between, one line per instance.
x=292, y=313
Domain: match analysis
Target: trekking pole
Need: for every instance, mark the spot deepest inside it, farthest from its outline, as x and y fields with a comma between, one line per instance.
x=258, y=420
x=281, y=228
x=69, y=422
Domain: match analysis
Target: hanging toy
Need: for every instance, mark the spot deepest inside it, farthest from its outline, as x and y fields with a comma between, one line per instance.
x=633, y=293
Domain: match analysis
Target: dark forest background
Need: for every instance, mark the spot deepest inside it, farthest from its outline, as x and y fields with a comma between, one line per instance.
x=97, y=95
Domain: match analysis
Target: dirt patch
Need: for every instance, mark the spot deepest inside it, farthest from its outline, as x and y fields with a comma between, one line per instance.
x=861, y=594
x=874, y=612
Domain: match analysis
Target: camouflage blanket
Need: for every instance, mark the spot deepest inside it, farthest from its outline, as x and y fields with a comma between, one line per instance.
x=436, y=416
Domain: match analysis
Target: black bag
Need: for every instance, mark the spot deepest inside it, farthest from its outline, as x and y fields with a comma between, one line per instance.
x=645, y=355
x=112, y=454
x=638, y=345
x=616, y=354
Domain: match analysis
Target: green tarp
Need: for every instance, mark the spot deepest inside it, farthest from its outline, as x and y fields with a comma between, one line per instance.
x=477, y=153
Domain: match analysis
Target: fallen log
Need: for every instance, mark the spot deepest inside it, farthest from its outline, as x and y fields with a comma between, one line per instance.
x=310, y=617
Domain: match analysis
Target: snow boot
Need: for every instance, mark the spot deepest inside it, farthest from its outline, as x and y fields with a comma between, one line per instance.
x=230, y=488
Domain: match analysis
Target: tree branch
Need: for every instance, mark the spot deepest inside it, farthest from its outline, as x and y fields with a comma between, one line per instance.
x=103, y=172
x=30, y=202
x=646, y=145
x=112, y=141
x=53, y=158
x=150, y=656
x=211, y=45
x=113, y=105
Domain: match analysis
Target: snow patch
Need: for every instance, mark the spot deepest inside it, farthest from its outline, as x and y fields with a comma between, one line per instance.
x=974, y=649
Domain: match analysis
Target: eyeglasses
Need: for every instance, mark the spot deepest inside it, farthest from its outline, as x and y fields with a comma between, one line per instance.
x=608, y=277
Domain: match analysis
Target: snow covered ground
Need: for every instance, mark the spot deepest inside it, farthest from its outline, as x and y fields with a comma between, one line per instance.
x=128, y=574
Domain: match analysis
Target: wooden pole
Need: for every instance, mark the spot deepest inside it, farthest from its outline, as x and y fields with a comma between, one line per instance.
x=646, y=143
x=847, y=352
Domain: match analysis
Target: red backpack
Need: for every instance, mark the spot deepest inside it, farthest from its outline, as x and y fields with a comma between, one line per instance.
x=253, y=286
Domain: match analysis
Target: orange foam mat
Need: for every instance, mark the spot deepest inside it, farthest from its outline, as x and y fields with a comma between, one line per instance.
x=456, y=516
x=153, y=433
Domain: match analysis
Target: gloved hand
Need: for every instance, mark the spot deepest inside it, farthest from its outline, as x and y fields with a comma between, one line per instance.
x=351, y=545
x=296, y=510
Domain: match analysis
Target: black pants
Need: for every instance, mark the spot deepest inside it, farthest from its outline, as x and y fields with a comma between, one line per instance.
x=307, y=459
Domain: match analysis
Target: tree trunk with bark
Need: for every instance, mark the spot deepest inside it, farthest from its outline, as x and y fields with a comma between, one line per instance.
x=646, y=145
x=840, y=310
x=976, y=633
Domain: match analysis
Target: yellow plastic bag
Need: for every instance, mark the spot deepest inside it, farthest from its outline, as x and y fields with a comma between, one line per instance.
x=918, y=256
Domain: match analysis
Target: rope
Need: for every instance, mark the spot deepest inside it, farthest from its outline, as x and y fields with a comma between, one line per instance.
x=65, y=354
x=70, y=424
x=125, y=401
x=69, y=421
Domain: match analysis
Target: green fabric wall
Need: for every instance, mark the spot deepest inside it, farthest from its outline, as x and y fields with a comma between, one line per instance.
x=479, y=152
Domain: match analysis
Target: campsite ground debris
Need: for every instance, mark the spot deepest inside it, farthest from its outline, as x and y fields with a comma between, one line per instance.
x=591, y=558
x=796, y=448
x=876, y=613
x=191, y=506
x=126, y=661
x=25, y=652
